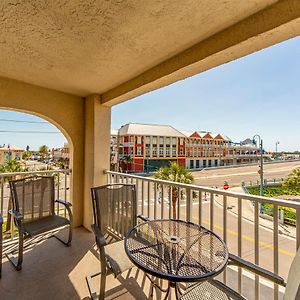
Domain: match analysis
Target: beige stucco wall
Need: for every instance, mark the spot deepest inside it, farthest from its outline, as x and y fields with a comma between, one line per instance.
x=65, y=111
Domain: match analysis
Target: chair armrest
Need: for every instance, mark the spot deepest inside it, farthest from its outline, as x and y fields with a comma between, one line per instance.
x=16, y=215
x=65, y=203
x=227, y=290
x=143, y=218
x=237, y=261
x=99, y=236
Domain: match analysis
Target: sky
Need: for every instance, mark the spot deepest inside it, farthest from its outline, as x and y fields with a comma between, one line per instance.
x=256, y=94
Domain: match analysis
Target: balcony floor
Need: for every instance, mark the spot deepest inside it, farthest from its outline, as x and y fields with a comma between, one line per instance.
x=53, y=271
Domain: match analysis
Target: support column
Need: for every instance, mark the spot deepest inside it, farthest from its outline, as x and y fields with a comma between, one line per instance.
x=97, y=150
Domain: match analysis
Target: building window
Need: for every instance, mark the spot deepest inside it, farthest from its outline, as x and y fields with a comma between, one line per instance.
x=181, y=151
x=161, y=140
x=167, y=141
x=139, y=140
x=147, y=140
x=132, y=139
x=139, y=150
x=154, y=150
x=161, y=151
x=174, y=141
x=181, y=141
x=147, y=150
x=168, y=151
x=154, y=140
x=174, y=151
x=195, y=152
x=197, y=164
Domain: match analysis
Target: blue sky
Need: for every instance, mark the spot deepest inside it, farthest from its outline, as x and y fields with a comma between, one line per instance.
x=257, y=94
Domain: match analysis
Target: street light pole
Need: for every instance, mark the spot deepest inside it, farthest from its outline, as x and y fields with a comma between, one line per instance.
x=276, y=157
x=261, y=188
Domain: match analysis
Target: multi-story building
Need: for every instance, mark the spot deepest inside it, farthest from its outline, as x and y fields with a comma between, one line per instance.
x=144, y=148
x=10, y=152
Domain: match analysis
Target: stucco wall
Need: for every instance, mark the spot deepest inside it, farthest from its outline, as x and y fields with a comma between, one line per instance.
x=65, y=111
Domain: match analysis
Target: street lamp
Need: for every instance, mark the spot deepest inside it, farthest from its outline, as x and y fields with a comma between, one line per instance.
x=276, y=156
x=260, y=141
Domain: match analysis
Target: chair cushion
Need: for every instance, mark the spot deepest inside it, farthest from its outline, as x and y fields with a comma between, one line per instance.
x=44, y=224
x=117, y=258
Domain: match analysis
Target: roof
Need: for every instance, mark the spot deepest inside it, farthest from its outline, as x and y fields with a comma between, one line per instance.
x=114, y=132
x=11, y=148
x=150, y=129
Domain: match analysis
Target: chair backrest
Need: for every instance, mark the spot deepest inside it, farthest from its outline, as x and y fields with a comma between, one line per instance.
x=114, y=207
x=33, y=197
x=292, y=290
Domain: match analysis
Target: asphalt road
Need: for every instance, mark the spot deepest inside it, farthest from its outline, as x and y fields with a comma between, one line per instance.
x=234, y=176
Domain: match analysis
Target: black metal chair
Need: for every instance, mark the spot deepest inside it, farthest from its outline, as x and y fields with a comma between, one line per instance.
x=33, y=201
x=115, y=212
x=216, y=290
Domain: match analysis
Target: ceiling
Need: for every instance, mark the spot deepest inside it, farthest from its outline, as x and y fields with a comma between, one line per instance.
x=86, y=47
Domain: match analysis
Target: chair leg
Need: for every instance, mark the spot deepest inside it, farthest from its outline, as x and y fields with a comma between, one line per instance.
x=68, y=243
x=17, y=262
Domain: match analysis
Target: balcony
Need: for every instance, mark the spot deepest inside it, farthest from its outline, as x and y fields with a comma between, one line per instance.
x=233, y=216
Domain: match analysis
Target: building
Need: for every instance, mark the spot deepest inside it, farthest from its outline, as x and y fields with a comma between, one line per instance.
x=62, y=152
x=147, y=147
x=10, y=152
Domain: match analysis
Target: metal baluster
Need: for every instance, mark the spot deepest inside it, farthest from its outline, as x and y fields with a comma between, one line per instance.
x=170, y=201
x=155, y=200
x=162, y=202
x=256, y=246
x=239, y=243
x=225, y=230
x=143, y=196
x=211, y=211
x=275, y=247
x=58, y=178
x=148, y=197
x=189, y=212
x=200, y=208
x=2, y=194
x=65, y=192
x=178, y=202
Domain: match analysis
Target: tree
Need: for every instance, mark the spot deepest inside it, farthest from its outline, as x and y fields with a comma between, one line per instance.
x=27, y=148
x=10, y=166
x=26, y=155
x=293, y=180
x=44, y=151
x=174, y=173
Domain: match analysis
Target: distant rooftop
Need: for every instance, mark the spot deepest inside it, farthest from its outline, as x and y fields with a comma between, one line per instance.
x=150, y=129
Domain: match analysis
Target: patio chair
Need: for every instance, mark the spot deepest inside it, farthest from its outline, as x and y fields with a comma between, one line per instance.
x=114, y=208
x=33, y=212
x=216, y=290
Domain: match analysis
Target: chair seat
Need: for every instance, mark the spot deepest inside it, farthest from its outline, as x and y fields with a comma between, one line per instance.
x=203, y=291
x=44, y=224
x=117, y=258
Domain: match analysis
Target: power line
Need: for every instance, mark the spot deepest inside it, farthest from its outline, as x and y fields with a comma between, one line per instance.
x=28, y=131
x=23, y=121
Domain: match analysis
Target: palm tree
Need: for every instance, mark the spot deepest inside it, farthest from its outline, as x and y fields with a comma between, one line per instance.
x=176, y=173
x=44, y=151
x=293, y=180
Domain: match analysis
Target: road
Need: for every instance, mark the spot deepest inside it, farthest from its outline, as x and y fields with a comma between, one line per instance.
x=234, y=176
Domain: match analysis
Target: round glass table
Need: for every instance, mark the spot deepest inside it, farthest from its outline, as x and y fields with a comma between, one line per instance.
x=176, y=251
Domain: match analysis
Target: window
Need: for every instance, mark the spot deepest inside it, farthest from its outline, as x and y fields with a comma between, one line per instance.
x=131, y=139
x=168, y=151
x=147, y=150
x=197, y=164
x=181, y=151
x=174, y=141
x=167, y=141
x=154, y=150
x=139, y=150
x=154, y=140
x=139, y=140
x=161, y=140
x=191, y=164
x=195, y=152
x=147, y=140
x=174, y=151
x=161, y=151
x=181, y=141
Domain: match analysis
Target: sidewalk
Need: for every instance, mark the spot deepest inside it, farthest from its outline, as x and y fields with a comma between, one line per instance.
x=248, y=213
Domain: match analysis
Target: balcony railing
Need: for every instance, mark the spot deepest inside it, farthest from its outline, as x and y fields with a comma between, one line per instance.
x=246, y=236
x=61, y=192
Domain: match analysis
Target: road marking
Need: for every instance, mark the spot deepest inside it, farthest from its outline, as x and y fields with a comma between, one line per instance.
x=248, y=238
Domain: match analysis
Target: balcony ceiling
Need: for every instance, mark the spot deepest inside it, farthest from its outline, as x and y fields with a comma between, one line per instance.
x=87, y=47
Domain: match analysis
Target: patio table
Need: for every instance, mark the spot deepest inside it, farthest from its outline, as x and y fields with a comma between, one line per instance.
x=177, y=251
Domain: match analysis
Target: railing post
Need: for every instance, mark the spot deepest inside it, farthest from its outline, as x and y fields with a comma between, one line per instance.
x=189, y=205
